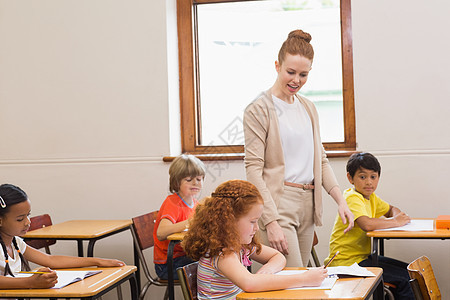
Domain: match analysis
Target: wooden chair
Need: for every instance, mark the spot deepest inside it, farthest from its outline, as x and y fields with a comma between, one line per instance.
x=142, y=231
x=423, y=282
x=36, y=223
x=188, y=280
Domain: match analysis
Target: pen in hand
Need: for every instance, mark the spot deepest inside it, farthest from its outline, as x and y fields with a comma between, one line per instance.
x=328, y=263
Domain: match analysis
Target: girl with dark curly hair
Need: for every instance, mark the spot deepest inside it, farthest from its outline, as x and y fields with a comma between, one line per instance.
x=222, y=237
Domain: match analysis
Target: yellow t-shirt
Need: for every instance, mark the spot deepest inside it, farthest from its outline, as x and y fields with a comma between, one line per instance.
x=354, y=246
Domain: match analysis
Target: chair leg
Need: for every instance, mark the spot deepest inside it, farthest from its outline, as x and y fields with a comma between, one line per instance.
x=166, y=294
x=144, y=290
x=388, y=293
x=315, y=258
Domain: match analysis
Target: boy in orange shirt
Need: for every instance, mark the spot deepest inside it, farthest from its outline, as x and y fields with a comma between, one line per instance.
x=186, y=173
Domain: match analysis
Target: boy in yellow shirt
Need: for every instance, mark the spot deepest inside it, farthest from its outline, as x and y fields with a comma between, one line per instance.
x=363, y=172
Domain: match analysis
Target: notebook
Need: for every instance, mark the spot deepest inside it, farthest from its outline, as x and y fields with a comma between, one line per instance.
x=327, y=284
x=66, y=277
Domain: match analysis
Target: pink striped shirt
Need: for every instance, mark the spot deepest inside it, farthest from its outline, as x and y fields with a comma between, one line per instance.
x=212, y=284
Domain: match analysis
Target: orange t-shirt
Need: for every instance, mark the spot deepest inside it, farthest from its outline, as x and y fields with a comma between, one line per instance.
x=175, y=210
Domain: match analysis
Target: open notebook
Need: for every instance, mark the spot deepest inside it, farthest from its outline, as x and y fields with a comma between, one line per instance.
x=66, y=277
x=327, y=284
x=333, y=274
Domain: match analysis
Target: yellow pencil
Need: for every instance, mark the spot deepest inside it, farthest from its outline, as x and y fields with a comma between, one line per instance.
x=30, y=272
x=334, y=256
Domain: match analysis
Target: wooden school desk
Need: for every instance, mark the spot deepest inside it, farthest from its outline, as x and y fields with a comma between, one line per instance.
x=174, y=239
x=90, y=288
x=378, y=238
x=356, y=288
x=80, y=230
x=84, y=230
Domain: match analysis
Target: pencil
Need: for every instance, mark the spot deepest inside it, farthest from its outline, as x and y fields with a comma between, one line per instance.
x=334, y=256
x=30, y=272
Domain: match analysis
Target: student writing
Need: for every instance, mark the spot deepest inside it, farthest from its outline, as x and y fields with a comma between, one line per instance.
x=222, y=236
x=186, y=174
x=363, y=171
x=15, y=208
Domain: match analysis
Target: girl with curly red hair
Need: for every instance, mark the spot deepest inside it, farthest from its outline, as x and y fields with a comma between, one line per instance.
x=222, y=237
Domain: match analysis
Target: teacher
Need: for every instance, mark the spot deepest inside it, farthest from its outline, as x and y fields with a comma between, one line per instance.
x=285, y=159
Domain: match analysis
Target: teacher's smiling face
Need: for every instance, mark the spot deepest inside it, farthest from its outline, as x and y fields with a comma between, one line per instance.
x=292, y=75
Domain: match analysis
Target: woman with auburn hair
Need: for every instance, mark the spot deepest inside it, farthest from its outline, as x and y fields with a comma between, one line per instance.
x=285, y=159
x=222, y=237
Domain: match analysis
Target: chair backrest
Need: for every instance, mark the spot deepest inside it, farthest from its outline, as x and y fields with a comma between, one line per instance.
x=421, y=273
x=36, y=223
x=143, y=228
x=188, y=280
x=142, y=231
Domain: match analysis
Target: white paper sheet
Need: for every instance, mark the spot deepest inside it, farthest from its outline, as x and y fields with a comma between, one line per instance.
x=327, y=284
x=414, y=225
x=353, y=270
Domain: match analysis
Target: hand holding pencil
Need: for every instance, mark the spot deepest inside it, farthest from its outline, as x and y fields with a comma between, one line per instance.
x=43, y=278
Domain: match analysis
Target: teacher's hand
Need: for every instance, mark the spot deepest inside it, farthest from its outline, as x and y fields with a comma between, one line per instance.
x=276, y=237
x=346, y=216
x=344, y=212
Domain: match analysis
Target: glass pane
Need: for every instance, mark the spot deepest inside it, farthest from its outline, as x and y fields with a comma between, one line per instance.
x=238, y=44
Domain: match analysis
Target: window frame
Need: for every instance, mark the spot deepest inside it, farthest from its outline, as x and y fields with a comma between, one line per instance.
x=189, y=113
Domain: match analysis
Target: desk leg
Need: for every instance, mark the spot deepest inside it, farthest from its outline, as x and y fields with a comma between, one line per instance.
x=80, y=248
x=90, y=250
x=382, y=246
x=170, y=285
x=134, y=287
x=375, y=252
x=379, y=291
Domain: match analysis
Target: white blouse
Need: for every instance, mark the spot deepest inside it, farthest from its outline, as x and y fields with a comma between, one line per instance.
x=297, y=140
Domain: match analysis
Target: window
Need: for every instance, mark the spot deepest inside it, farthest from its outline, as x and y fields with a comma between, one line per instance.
x=227, y=50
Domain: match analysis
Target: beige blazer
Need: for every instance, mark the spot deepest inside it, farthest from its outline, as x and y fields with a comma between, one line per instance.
x=264, y=161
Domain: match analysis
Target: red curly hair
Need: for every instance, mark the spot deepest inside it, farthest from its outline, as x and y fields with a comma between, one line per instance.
x=213, y=229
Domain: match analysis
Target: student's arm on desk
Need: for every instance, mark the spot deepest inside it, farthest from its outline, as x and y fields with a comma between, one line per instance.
x=166, y=228
x=62, y=261
x=271, y=259
x=231, y=267
x=396, y=218
x=36, y=281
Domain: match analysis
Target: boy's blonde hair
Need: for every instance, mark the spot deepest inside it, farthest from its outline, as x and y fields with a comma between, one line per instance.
x=185, y=165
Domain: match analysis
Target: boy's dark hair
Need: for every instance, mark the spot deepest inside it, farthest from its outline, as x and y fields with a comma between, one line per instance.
x=363, y=160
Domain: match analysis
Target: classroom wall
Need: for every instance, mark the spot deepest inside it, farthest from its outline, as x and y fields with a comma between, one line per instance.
x=88, y=108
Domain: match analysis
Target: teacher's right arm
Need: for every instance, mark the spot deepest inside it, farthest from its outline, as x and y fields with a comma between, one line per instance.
x=256, y=122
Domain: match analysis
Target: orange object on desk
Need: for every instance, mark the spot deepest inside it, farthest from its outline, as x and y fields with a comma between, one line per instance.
x=443, y=222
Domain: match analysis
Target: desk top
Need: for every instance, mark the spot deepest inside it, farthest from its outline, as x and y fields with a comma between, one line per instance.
x=435, y=234
x=344, y=288
x=78, y=229
x=88, y=287
x=178, y=236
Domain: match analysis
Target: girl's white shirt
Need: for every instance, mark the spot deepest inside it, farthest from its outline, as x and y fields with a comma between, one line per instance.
x=15, y=263
x=296, y=139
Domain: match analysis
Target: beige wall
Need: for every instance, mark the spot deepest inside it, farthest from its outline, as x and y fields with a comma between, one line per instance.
x=86, y=88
